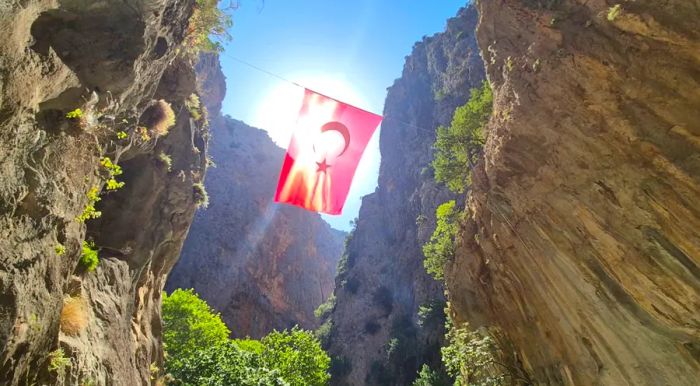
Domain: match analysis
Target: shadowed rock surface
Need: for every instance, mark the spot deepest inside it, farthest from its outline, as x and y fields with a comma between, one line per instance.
x=263, y=265
x=383, y=281
x=582, y=246
x=112, y=59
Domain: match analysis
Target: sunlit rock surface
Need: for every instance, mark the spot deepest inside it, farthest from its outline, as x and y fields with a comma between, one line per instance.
x=583, y=244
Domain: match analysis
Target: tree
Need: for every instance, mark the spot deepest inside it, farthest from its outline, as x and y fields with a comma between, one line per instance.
x=440, y=249
x=458, y=146
x=428, y=377
x=226, y=364
x=297, y=354
x=189, y=324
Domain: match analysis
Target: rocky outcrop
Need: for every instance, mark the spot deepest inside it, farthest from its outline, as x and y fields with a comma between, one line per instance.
x=376, y=337
x=582, y=246
x=263, y=265
x=111, y=59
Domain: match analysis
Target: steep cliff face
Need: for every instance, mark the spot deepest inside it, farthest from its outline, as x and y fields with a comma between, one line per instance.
x=264, y=266
x=376, y=337
x=582, y=244
x=111, y=59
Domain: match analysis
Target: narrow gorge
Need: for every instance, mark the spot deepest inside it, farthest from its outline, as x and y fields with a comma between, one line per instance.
x=570, y=254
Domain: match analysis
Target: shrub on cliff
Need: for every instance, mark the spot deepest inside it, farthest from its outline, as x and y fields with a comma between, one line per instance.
x=207, y=21
x=440, y=249
x=457, y=146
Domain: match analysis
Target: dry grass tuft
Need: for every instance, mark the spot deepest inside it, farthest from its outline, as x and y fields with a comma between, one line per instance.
x=74, y=315
x=163, y=118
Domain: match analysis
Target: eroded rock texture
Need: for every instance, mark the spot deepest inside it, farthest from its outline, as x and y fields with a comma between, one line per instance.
x=112, y=59
x=263, y=265
x=583, y=241
x=384, y=282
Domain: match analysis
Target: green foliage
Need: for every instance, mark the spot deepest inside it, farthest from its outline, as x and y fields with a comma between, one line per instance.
x=75, y=114
x=323, y=332
x=60, y=249
x=89, y=257
x=428, y=377
x=457, y=147
x=199, y=352
x=509, y=66
x=189, y=323
x=93, y=196
x=113, y=170
x=58, y=362
x=122, y=135
x=440, y=249
x=166, y=160
x=324, y=310
x=194, y=107
x=431, y=313
x=225, y=364
x=614, y=12
x=207, y=20
x=470, y=356
x=201, y=197
x=298, y=356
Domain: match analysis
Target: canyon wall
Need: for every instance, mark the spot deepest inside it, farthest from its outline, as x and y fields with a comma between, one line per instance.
x=263, y=265
x=582, y=244
x=375, y=335
x=113, y=60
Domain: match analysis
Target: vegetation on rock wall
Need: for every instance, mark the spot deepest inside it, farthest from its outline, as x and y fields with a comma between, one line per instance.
x=458, y=146
x=199, y=351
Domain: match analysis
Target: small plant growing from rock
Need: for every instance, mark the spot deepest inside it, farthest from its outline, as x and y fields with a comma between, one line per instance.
x=75, y=114
x=166, y=160
x=58, y=362
x=193, y=106
x=122, y=134
x=60, y=249
x=74, y=315
x=163, y=118
x=207, y=20
x=201, y=197
x=89, y=257
x=90, y=212
x=113, y=170
x=509, y=64
x=143, y=134
x=614, y=12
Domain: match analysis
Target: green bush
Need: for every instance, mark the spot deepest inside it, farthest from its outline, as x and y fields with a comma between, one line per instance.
x=207, y=21
x=458, y=146
x=431, y=313
x=201, y=197
x=470, y=356
x=89, y=257
x=440, y=249
x=428, y=377
x=324, y=310
x=58, y=362
x=225, y=364
x=297, y=355
x=190, y=324
x=199, y=352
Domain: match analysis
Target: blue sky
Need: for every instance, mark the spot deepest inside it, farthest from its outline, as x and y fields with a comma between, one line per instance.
x=350, y=50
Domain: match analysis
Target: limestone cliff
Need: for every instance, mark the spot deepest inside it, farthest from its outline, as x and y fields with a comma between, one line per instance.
x=376, y=337
x=582, y=246
x=113, y=60
x=263, y=265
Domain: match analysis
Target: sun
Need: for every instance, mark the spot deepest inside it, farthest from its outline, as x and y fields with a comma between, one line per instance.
x=277, y=111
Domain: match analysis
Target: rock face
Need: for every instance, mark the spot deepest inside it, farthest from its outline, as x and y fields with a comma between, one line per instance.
x=263, y=265
x=582, y=244
x=382, y=282
x=111, y=59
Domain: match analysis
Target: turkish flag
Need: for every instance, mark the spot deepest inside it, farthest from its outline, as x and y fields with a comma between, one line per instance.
x=327, y=144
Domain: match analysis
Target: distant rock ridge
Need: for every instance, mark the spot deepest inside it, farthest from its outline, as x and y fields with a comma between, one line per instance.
x=263, y=265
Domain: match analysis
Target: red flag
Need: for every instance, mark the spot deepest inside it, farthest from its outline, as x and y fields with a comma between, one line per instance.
x=326, y=146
